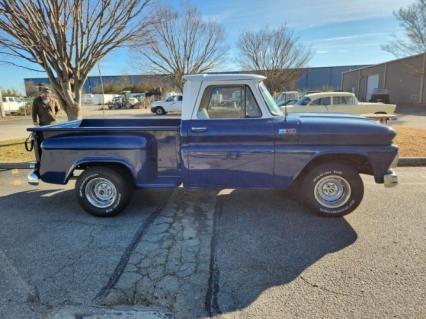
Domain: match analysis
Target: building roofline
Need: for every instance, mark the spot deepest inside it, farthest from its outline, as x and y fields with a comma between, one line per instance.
x=386, y=62
x=216, y=73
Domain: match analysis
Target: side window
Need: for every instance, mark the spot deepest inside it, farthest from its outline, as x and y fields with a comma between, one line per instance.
x=179, y=98
x=252, y=108
x=169, y=99
x=228, y=102
x=304, y=101
x=348, y=100
x=4, y=99
x=321, y=101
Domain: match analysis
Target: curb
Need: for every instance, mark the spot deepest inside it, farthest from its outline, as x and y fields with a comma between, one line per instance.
x=411, y=161
x=402, y=162
x=24, y=165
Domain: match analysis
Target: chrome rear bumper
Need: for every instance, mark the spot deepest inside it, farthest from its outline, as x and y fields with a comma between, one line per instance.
x=390, y=179
x=33, y=178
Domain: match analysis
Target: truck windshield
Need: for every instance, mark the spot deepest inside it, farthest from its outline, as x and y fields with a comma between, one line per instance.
x=269, y=100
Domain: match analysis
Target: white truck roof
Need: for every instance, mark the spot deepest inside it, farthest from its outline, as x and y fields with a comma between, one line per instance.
x=224, y=77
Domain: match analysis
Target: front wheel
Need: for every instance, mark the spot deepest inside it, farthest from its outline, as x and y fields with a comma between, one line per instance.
x=103, y=191
x=332, y=189
x=160, y=111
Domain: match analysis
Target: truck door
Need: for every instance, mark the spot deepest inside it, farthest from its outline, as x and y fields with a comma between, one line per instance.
x=229, y=143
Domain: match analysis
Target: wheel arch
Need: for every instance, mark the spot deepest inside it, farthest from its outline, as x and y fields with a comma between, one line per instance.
x=359, y=161
x=120, y=165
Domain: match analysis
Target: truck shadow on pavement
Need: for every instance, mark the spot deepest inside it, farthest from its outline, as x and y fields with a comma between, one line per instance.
x=265, y=239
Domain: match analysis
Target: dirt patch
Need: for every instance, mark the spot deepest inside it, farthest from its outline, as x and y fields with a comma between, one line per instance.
x=411, y=141
x=13, y=151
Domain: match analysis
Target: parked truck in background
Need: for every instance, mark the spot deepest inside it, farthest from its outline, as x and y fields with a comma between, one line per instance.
x=172, y=103
x=244, y=143
x=12, y=104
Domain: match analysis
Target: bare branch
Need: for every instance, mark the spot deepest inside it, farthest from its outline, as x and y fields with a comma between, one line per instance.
x=274, y=53
x=66, y=38
x=413, y=20
x=182, y=42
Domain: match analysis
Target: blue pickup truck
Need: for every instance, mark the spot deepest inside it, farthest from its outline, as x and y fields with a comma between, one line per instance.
x=231, y=135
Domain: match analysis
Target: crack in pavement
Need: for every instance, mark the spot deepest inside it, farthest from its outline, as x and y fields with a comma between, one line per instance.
x=211, y=304
x=169, y=268
x=115, y=276
x=328, y=290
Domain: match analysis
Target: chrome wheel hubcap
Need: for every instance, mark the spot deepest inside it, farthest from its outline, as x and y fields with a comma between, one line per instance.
x=100, y=192
x=332, y=191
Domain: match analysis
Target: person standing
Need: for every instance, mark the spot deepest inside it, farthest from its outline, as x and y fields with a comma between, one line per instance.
x=45, y=108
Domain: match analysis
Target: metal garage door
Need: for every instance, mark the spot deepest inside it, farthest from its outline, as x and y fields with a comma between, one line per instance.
x=372, y=84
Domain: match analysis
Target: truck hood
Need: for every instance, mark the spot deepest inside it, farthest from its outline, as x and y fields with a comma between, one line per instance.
x=341, y=129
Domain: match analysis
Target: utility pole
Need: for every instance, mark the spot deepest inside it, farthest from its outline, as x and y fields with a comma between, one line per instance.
x=2, y=115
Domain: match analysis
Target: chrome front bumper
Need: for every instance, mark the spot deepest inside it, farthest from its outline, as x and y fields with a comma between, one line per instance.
x=33, y=178
x=390, y=179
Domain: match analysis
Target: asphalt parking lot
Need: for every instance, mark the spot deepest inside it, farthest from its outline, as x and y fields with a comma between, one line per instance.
x=225, y=254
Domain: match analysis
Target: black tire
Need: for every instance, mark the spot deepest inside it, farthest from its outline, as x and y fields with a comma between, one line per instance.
x=159, y=110
x=107, y=176
x=323, y=181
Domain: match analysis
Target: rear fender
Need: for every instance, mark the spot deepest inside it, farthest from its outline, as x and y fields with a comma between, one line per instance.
x=62, y=155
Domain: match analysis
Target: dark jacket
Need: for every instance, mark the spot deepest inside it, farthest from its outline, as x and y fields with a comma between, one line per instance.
x=46, y=113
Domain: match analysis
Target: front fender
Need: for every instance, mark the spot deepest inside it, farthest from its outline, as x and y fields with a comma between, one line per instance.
x=290, y=162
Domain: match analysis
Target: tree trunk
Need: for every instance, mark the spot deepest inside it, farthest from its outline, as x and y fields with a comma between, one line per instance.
x=69, y=101
x=73, y=111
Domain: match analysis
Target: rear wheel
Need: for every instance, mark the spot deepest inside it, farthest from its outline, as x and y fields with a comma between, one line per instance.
x=160, y=111
x=332, y=189
x=103, y=191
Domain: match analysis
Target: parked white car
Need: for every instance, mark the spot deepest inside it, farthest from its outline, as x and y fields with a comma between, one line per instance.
x=171, y=104
x=12, y=104
x=338, y=102
x=286, y=96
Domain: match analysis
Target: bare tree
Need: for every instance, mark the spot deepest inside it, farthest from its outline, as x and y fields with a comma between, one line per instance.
x=275, y=54
x=413, y=20
x=184, y=43
x=66, y=38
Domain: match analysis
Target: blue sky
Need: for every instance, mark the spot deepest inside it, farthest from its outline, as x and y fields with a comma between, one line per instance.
x=340, y=32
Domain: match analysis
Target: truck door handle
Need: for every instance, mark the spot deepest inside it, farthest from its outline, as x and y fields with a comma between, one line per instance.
x=198, y=129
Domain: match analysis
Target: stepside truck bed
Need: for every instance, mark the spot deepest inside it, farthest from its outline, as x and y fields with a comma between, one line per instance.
x=147, y=148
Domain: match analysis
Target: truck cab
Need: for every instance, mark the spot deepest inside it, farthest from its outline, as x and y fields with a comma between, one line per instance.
x=231, y=134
